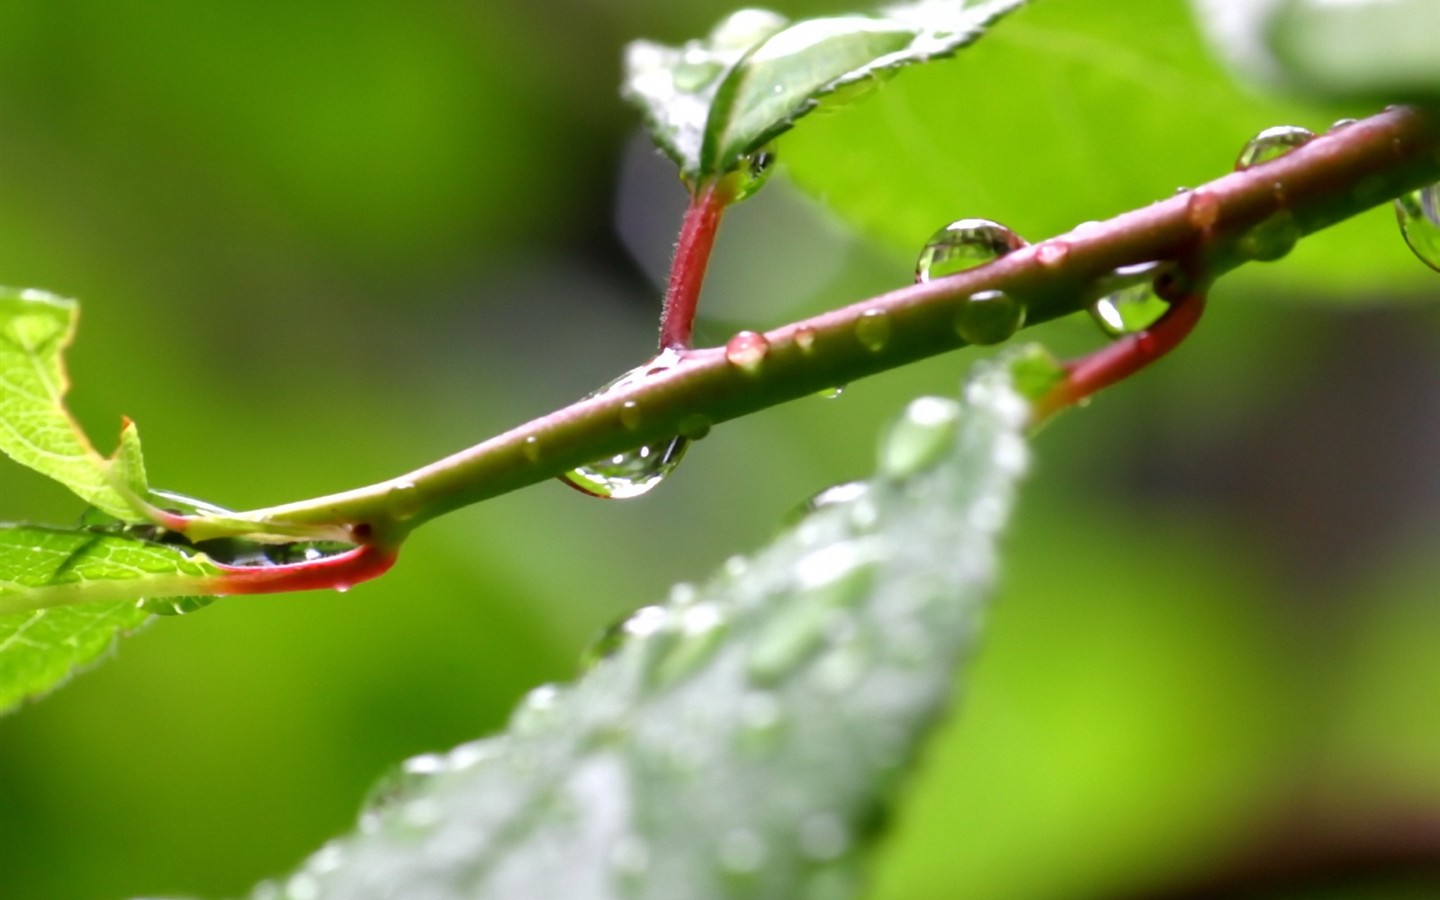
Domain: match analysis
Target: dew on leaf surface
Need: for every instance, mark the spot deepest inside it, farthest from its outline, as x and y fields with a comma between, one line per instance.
x=1133, y=305
x=1419, y=215
x=920, y=437
x=831, y=393
x=964, y=244
x=1272, y=143
x=633, y=472
x=988, y=317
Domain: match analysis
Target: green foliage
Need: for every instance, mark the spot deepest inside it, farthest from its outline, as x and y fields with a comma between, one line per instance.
x=744, y=738
x=712, y=102
x=1376, y=50
x=1066, y=113
x=36, y=429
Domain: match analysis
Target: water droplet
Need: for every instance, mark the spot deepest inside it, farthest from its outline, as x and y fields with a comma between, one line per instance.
x=539, y=707
x=641, y=624
x=1338, y=124
x=872, y=330
x=823, y=836
x=1132, y=304
x=741, y=852
x=1272, y=143
x=805, y=339
x=700, y=629
x=1419, y=215
x=694, y=427
x=837, y=494
x=827, y=581
x=964, y=244
x=1271, y=239
x=634, y=472
x=1202, y=207
x=754, y=170
x=747, y=350
x=402, y=501
x=920, y=437
x=174, y=606
x=831, y=393
x=988, y=317
x=1051, y=253
x=630, y=415
x=531, y=448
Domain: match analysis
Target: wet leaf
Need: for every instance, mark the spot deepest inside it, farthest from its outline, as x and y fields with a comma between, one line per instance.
x=64, y=596
x=36, y=429
x=1375, y=50
x=713, y=101
x=745, y=737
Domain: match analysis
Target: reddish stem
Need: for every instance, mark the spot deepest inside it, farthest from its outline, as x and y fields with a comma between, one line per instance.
x=1123, y=357
x=340, y=572
x=687, y=270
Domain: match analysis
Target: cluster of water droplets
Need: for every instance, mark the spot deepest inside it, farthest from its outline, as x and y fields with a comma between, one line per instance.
x=986, y=317
x=634, y=472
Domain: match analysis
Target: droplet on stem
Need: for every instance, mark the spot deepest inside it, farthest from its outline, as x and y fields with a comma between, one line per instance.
x=872, y=329
x=1132, y=304
x=1272, y=143
x=1419, y=215
x=634, y=472
x=989, y=317
x=747, y=350
x=964, y=244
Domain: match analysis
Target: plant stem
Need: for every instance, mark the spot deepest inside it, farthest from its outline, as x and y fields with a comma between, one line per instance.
x=1244, y=216
x=687, y=269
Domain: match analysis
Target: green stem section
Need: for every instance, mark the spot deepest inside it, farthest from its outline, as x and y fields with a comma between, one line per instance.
x=1257, y=214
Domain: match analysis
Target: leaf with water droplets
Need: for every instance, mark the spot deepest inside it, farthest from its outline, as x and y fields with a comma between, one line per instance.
x=714, y=101
x=744, y=738
x=65, y=595
x=36, y=430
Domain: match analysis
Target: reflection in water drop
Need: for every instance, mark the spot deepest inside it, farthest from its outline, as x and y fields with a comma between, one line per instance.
x=872, y=330
x=1271, y=144
x=747, y=350
x=754, y=171
x=1132, y=305
x=637, y=471
x=988, y=317
x=964, y=244
x=1419, y=216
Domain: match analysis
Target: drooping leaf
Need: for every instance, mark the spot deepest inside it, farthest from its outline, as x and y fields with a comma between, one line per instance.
x=36, y=429
x=743, y=738
x=66, y=595
x=713, y=101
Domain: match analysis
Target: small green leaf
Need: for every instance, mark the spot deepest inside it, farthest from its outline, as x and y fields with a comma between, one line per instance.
x=41, y=649
x=36, y=429
x=712, y=102
x=743, y=739
x=66, y=595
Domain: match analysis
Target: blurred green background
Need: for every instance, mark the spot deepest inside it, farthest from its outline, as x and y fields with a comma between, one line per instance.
x=319, y=243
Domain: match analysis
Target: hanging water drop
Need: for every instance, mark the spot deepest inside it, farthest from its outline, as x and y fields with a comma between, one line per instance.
x=747, y=350
x=1271, y=144
x=1132, y=304
x=694, y=427
x=633, y=472
x=872, y=330
x=1419, y=215
x=964, y=244
x=988, y=317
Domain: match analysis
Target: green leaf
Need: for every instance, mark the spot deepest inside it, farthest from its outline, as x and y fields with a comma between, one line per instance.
x=65, y=595
x=744, y=738
x=714, y=101
x=41, y=649
x=1071, y=113
x=1374, y=50
x=36, y=429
